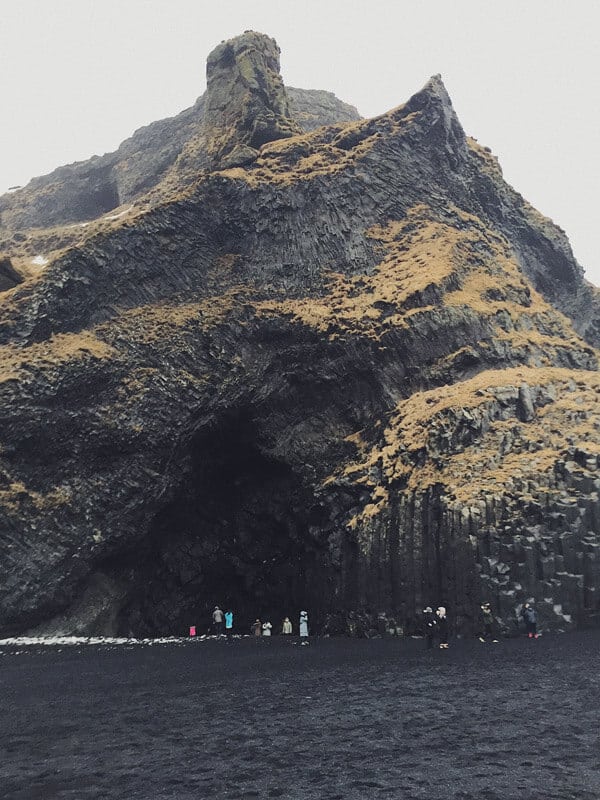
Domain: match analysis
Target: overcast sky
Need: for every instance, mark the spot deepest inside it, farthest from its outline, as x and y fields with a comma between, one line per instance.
x=79, y=76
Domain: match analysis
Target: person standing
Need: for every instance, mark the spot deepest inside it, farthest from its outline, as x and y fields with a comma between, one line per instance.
x=286, y=628
x=488, y=624
x=266, y=628
x=530, y=619
x=218, y=618
x=304, y=625
x=229, y=622
x=429, y=626
x=256, y=628
x=442, y=627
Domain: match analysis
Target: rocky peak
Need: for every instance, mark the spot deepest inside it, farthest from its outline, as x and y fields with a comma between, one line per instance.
x=444, y=126
x=246, y=104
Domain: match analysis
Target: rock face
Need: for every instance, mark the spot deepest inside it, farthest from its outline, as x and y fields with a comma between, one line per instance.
x=247, y=105
x=9, y=277
x=242, y=74
x=337, y=376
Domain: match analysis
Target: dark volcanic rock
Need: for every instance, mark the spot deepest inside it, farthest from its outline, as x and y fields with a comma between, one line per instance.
x=246, y=103
x=313, y=108
x=334, y=377
x=9, y=277
x=85, y=190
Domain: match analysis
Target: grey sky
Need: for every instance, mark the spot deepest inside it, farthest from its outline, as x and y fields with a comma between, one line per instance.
x=79, y=76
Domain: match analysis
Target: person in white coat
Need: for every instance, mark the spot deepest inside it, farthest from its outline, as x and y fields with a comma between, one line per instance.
x=266, y=629
x=304, y=625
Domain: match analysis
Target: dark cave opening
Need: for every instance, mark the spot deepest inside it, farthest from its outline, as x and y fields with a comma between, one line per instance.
x=243, y=531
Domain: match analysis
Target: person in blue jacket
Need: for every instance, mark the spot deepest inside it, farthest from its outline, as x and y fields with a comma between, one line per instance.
x=529, y=615
x=229, y=622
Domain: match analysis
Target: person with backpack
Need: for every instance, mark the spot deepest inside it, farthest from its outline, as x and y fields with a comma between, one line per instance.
x=488, y=624
x=218, y=618
x=429, y=622
x=529, y=615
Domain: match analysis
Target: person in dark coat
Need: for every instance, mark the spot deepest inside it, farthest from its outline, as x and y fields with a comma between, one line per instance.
x=429, y=621
x=442, y=627
x=487, y=634
x=529, y=615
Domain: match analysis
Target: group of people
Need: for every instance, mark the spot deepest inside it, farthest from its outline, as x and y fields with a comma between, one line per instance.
x=223, y=622
x=436, y=626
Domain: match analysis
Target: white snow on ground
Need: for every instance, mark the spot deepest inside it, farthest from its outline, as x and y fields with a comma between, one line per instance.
x=66, y=640
x=78, y=640
x=40, y=261
x=121, y=214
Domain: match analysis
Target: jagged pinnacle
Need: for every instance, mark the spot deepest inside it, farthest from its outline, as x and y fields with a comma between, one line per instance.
x=246, y=102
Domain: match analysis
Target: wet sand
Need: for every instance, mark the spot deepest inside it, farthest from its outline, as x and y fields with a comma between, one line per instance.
x=337, y=719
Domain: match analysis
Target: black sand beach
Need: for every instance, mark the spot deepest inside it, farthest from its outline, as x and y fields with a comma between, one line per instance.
x=338, y=719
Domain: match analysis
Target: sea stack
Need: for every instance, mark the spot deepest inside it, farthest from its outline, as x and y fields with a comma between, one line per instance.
x=246, y=101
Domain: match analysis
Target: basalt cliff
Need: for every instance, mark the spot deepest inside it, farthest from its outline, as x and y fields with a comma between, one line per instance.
x=275, y=356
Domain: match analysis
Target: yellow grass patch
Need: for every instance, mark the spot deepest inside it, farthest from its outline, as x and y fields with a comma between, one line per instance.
x=505, y=457
x=59, y=349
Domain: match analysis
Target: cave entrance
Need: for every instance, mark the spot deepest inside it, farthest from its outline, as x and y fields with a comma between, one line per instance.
x=243, y=531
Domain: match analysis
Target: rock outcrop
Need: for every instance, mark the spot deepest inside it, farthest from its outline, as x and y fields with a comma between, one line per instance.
x=9, y=277
x=247, y=105
x=339, y=376
x=243, y=75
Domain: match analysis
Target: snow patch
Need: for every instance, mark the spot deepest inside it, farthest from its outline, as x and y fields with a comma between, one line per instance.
x=40, y=261
x=73, y=640
x=121, y=214
x=25, y=641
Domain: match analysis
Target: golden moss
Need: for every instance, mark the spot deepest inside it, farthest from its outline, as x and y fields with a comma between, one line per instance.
x=323, y=152
x=428, y=263
x=59, y=349
x=504, y=456
x=159, y=322
x=487, y=161
x=15, y=494
x=420, y=256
